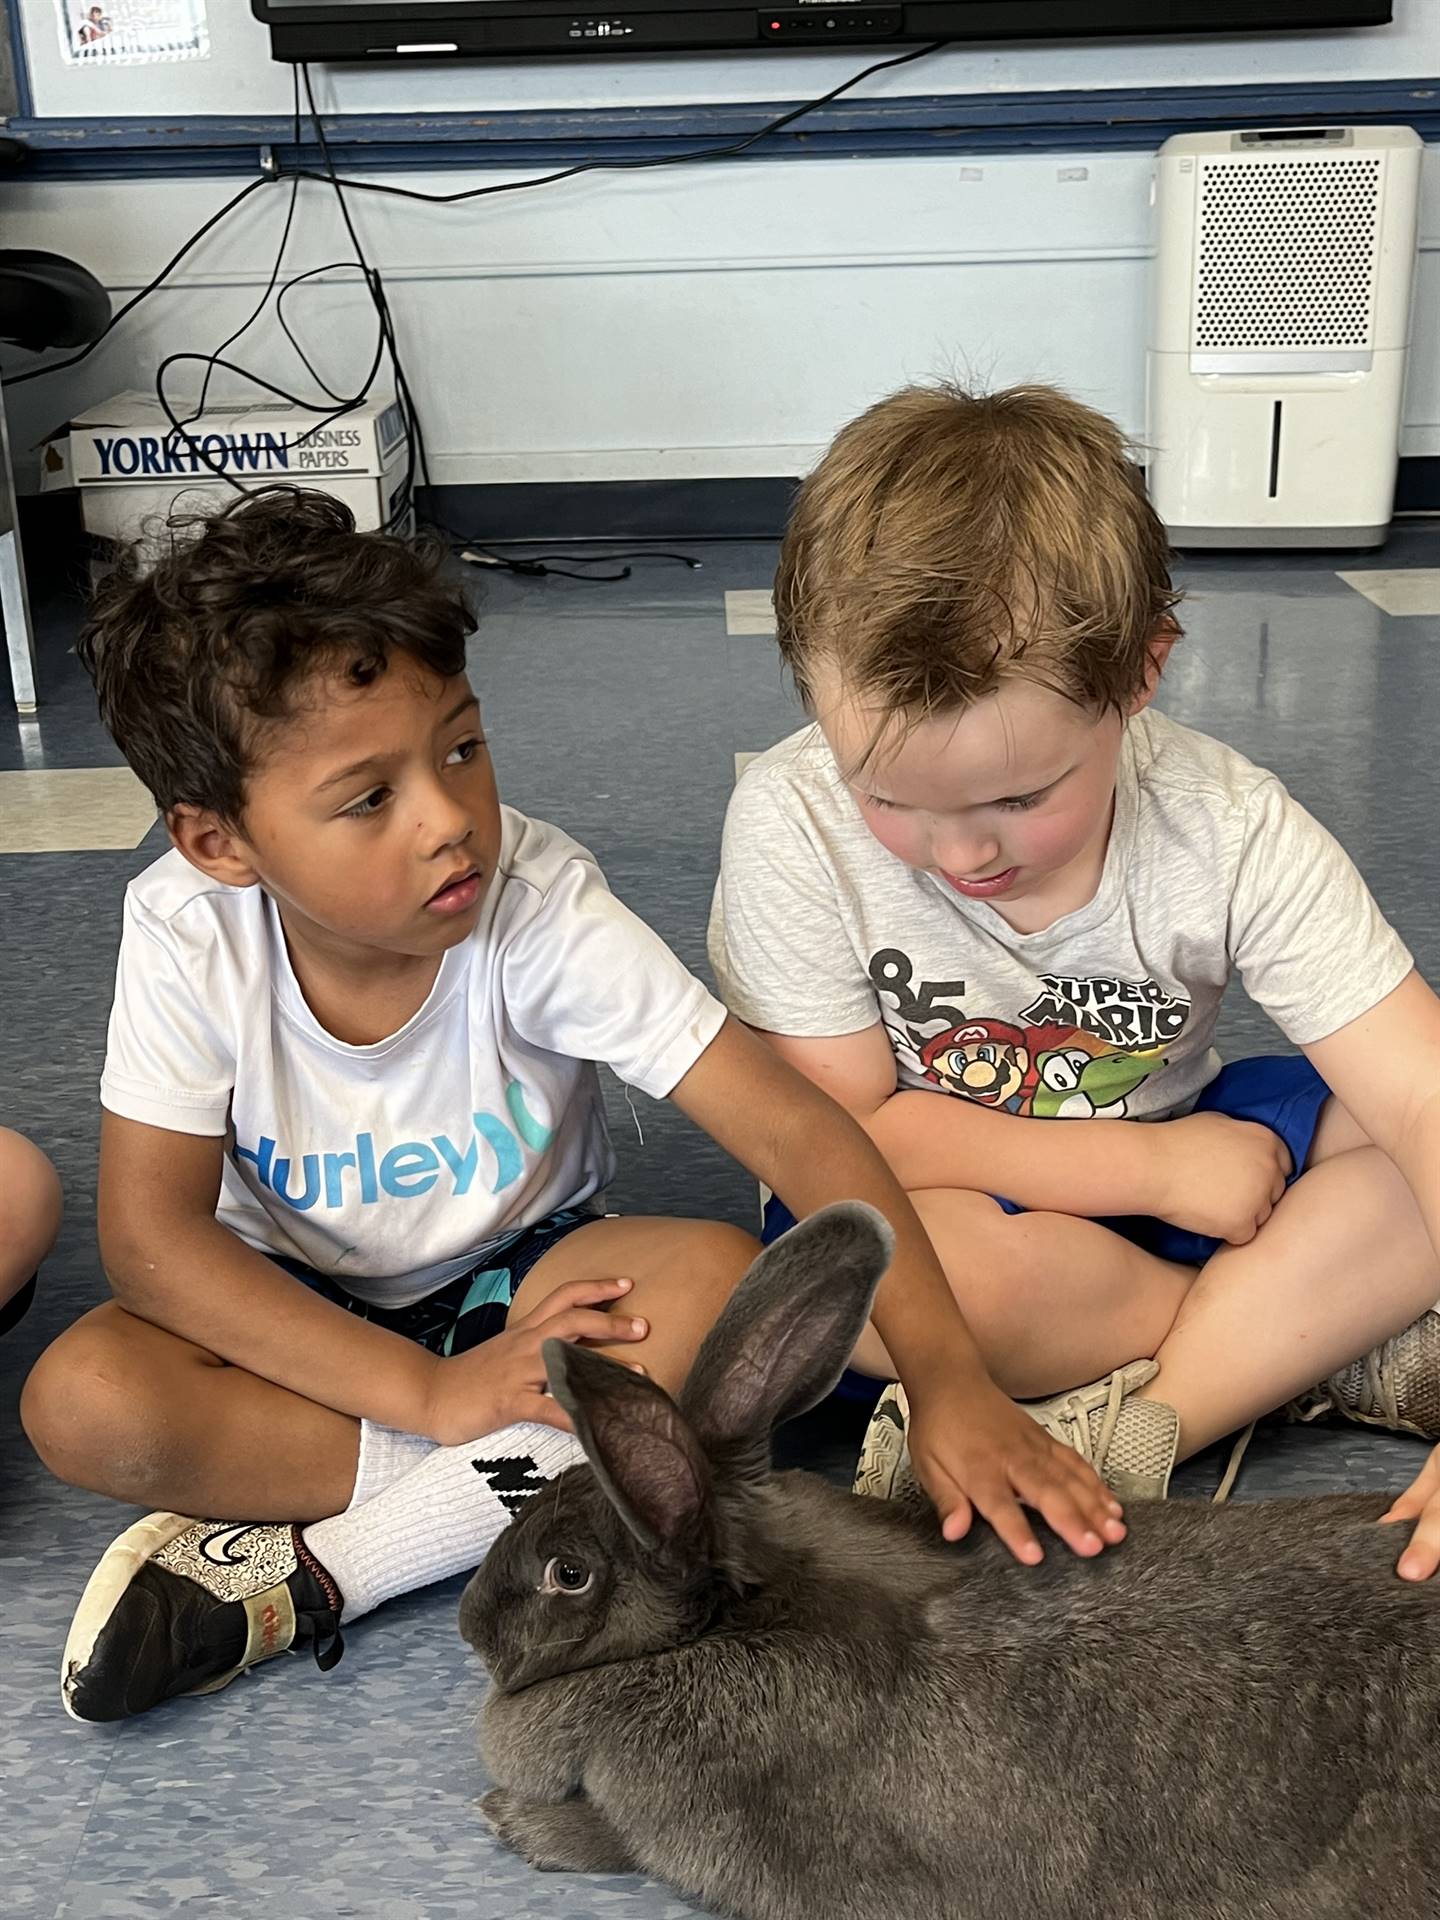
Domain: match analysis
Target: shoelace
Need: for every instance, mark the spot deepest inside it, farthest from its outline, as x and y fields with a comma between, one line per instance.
x=1076, y=1418
x=1376, y=1394
x=1232, y=1466
x=1377, y=1382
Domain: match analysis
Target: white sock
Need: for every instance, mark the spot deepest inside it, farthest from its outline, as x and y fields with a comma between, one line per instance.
x=440, y=1518
x=385, y=1453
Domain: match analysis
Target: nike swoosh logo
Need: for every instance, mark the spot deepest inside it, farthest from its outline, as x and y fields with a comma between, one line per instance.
x=218, y=1548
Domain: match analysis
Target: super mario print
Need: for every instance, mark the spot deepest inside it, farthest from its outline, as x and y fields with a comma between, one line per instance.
x=1078, y=1050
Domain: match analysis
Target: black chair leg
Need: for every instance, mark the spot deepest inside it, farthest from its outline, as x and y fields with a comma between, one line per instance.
x=14, y=601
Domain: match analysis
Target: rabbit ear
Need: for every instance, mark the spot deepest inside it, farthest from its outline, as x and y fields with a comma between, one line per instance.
x=790, y=1326
x=645, y=1457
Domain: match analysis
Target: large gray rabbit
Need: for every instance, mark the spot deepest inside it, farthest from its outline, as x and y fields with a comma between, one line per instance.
x=791, y=1703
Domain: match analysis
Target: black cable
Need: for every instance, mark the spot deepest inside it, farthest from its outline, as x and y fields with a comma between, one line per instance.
x=335, y=266
x=59, y=366
x=416, y=455
x=260, y=307
x=477, y=554
x=533, y=570
x=414, y=437
x=635, y=556
x=473, y=193
x=180, y=428
x=635, y=165
x=487, y=555
x=269, y=386
x=264, y=299
x=213, y=360
x=637, y=553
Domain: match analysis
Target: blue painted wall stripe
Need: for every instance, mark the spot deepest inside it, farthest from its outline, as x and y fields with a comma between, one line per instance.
x=924, y=124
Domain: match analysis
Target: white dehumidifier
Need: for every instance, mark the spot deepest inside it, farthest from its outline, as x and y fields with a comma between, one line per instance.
x=1279, y=327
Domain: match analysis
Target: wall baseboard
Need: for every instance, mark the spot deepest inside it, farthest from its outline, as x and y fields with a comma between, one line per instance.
x=1418, y=490
x=753, y=509
x=699, y=509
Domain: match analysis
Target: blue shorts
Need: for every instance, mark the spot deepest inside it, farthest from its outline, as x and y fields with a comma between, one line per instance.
x=1280, y=1091
x=468, y=1309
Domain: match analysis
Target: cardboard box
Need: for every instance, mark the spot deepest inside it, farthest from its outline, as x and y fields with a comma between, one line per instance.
x=133, y=470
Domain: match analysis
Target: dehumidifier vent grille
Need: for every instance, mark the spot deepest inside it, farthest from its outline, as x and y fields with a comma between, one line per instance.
x=1286, y=255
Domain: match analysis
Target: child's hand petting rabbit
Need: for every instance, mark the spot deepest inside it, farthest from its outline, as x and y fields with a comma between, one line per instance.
x=790, y=1702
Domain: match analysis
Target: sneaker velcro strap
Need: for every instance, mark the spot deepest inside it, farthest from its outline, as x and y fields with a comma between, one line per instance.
x=270, y=1621
x=270, y=1629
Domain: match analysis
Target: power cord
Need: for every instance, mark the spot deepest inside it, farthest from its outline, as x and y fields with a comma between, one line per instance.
x=59, y=366
x=180, y=428
x=264, y=299
x=645, y=161
x=536, y=565
x=473, y=552
x=415, y=454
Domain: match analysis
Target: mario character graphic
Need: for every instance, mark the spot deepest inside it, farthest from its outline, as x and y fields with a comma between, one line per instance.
x=985, y=1060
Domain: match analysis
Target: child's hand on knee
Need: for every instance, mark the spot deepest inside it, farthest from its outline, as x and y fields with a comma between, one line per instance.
x=1219, y=1176
x=503, y=1381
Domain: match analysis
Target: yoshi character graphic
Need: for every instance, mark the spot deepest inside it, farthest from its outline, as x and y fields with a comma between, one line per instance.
x=1080, y=1077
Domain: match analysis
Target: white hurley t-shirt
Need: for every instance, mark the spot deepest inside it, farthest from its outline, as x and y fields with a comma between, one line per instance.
x=392, y=1166
x=1212, y=869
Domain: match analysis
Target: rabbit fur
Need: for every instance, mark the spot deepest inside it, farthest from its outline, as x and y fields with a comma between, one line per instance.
x=789, y=1702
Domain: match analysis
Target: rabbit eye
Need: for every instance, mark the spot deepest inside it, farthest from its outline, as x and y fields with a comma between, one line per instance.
x=566, y=1576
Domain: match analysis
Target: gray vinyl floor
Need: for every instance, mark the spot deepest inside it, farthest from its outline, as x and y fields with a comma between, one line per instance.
x=618, y=711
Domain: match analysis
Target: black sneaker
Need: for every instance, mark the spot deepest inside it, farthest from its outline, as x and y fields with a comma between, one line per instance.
x=18, y=1305
x=181, y=1606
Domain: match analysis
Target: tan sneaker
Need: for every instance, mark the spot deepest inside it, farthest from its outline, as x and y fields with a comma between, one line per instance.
x=1395, y=1385
x=1130, y=1443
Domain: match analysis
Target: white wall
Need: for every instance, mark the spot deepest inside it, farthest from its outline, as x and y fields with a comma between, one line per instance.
x=702, y=321
x=240, y=77
x=717, y=320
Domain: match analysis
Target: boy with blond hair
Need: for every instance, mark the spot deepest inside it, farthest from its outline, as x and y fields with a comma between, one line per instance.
x=991, y=887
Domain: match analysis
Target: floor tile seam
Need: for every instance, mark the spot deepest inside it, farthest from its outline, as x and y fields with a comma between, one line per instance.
x=100, y=1786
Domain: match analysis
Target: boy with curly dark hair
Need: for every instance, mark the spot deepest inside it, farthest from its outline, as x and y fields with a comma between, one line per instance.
x=353, y=1154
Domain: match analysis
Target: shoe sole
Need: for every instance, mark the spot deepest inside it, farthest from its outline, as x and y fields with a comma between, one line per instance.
x=105, y=1588
x=883, y=1456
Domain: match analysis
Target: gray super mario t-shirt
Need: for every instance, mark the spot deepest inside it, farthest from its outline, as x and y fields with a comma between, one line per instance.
x=1212, y=869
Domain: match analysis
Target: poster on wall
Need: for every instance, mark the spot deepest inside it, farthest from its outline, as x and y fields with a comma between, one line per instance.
x=132, y=33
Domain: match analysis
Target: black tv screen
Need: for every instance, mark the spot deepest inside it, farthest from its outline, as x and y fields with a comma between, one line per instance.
x=478, y=29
